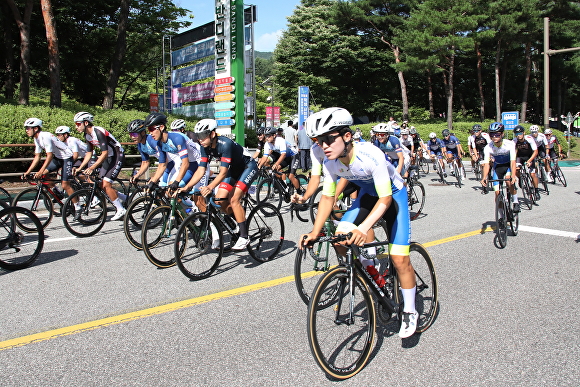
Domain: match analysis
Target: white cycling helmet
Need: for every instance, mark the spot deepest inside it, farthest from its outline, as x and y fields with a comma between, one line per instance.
x=432, y=135
x=329, y=120
x=534, y=128
x=83, y=116
x=310, y=124
x=178, y=125
x=205, y=125
x=62, y=130
x=404, y=131
x=548, y=131
x=382, y=128
x=33, y=122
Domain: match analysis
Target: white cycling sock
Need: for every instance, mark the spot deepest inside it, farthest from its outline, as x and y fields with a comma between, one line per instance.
x=515, y=198
x=409, y=299
x=117, y=203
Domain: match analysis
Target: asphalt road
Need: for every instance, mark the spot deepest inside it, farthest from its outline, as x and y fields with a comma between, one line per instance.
x=95, y=312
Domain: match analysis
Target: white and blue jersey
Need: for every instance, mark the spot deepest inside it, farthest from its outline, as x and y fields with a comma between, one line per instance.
x=451, y=144
x=148, y=149
x=281, y=146
x=502, y=154
x=391, y=147
x=177, y=148
x=435, y=146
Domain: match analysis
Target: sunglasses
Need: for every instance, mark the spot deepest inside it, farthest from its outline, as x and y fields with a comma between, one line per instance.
x=152, y=128
x=329, y=139
x=381, y=134
x=134, y=135
x=203, y=135
x=496, y=134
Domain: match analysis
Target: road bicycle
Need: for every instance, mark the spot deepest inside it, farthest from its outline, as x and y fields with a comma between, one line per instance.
x=556, y=173
x=19, y=249
x=457, y=170
x=527, y=186
x=198, y=250
x=137, y=212
x=504, y=213
x=543, y=176
x=415, y=193
x=5, y=195
x=321, y=256
x=342, y=204
x=478, y=170
x=342, y=314
x=421, y=162
x=438, y=168
x=275, y=190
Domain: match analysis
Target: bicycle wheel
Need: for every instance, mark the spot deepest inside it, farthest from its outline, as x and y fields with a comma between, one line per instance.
x=416, y=198
x=302, y=181
x=341, y=341
x=560, y=175
x=265, y=231
x=134, y=218
x=5, y=196
x=159, y=234
x=18, y=250
x=423, y=164
x=544, y=179
x=313, y=203
x=426, y=296
x=307, y=270
x=39, y=203
x=92, y=219
x=267, y=191
x=525, y=190
x=500, y=221
x=477, y=171
x=458, y=174
x=439, y=170
x=195, y=256
x=514, y=223
x=531, y=190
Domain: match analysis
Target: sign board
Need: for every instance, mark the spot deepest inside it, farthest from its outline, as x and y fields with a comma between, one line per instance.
x=154, y=103
x=510, y=120
x=223, y=97
x=224, y=81
x=303, y=105
x=224, y=114
x=224, y=105
x=224, y=89
x=229, y=122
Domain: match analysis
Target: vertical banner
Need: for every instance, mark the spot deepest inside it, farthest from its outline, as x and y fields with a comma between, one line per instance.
x=269, y=116
x=154, y=103
x=238, y=70
x=276, y=116
x=303, y=105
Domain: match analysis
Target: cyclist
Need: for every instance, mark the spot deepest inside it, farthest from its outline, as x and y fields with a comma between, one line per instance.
x=541, y=142
x=526, y=152
x=454, y=149
x=503, y=152
x=382, y=195
x=78, y=148
x=418, y=145
x=476, y=142
x=58, y=155
x=550, y=152
x=282, y=154
x=391, y=147
x=109, y=161
x=407, y=141
x=146, y=146
x=180, y=126
x=316, y=160
x=436, y=148
x=260, y=133
x=237, y=172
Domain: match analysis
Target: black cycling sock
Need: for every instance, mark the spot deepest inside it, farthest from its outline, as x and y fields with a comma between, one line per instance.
x=243, y=230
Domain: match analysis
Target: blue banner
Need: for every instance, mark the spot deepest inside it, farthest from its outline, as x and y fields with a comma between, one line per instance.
x=303, y=105
x=193, y=52
x=201, y=111
x=193, y=73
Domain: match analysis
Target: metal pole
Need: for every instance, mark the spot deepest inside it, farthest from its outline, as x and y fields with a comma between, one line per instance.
x=164, y=74
x=546, y=73
x=254, y=108
x=170, y=77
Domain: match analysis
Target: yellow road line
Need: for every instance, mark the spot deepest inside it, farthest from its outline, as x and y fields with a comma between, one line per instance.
x=42, y=336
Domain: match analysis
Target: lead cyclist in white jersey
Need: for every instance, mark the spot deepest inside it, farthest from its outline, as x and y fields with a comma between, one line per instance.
x=382, y=195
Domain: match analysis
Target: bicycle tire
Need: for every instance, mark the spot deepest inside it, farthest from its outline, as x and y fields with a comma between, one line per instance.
x=5, y=196
x=341, y=349
x=307, y=270
x=195, y=256
x=265, y=232
x=477, y=171
x=268, y=191
x=134, y=218
x=531, y=189
x=560, y=175
x=423, y=164
x=157, y=239
x=500, y=221
x=313, y=203
x=92, y=219
x=42, y=208
x=19, y=250
x=458, y=175
x=416, y=196
x=524, y=188
x=439, y=170
x=544, y=179
x=515, y=223
x=427, y=294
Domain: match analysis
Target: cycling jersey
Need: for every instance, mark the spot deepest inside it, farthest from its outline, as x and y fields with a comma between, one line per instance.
x=451, y=144
x=407, y=142
x=76, y=146
x=541, y=141
x=103, y=140
x=435, y=145
x=316, y=158
x=391, y=147
x=178, y=145
x=552, y=140
x=49, y=142
x=417, y=141
x=281, y=146
x=503, y=154
x=478, y=142
x=526, y=147
x=148, y=149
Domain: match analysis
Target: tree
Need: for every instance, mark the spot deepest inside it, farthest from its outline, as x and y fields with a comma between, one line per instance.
x=8, y=86
x=53, y=56
x=23, y=22
x=120, y=50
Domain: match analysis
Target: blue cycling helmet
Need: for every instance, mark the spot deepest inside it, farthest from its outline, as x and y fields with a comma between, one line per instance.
x=496, y=127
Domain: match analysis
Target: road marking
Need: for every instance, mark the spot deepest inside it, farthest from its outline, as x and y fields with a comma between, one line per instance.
x=59, y=239
x=547, y=231
x=90, y=325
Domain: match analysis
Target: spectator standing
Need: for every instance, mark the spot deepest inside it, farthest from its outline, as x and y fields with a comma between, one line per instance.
x=304, y=144
x=290, y=134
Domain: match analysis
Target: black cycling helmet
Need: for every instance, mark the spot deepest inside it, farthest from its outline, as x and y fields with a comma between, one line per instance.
x=260, y=131
x=270, y=131
x=155, y=119
x=136, y=126
x=476, y=128
x=519, y=129
x=496, y=127
x=446, y=132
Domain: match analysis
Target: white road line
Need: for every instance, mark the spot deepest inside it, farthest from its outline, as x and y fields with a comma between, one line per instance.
x=59, y=239
x=547, y=231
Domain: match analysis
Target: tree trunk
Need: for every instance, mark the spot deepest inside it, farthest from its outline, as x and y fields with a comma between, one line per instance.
x=53, y=57
x=9, y=60
x=120, y=50
x=502, y=82
x=497, y=86
x=450, y=91
x=480, y=84
x=526, y=81
x=405, y=100
x=430, y=88
x=23, y=23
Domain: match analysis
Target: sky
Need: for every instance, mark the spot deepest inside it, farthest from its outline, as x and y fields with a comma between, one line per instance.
x=271, y=18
